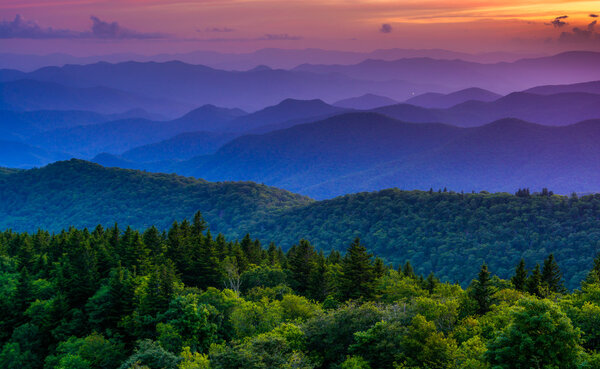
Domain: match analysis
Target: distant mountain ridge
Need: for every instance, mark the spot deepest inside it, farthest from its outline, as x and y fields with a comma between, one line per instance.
x=190, y=84
x=366, y=151
x=16, y=154
x=125, y=134
x=365, y=102
x=270, y=57
x=553, y=110
x=437, y=100
x=31, y=94
x=564, y=68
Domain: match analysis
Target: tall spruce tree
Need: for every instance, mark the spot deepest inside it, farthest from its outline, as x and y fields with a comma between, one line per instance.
x=483, y=290
x=519, y=280
x=357, y=279
x=408, y=270
x=301, y=261
x=534, y=282
x=551, y=275
x=594, y=274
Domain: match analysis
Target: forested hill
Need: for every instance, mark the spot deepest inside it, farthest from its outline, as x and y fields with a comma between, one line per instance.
x=449, y=233
x=83, y=194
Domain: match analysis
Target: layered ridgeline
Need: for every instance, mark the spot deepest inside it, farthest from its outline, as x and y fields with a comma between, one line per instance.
x=366, y=151
x=449, y=233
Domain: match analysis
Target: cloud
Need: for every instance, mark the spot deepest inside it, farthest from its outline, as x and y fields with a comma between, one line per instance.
x=385, y=28
x=558, y=21
x=21, y=28
x=579, y=35
x=217, y=29
x=594, y=15
x=112, y=30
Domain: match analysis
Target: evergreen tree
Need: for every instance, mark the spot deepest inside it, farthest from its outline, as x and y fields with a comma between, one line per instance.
x=594, y=274
x=430, y=283
x=408, y=270
x=551, y=275
x=317, y=286
x=198, y=224
x=252, y=250
x=534, y=282
x=379, y=268
x=519, y=280
x=357, y=279
x=301, y=261
x=483, y=290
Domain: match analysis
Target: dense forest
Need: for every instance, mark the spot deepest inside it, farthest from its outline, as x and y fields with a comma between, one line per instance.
x=184, y=298
x=442, y=231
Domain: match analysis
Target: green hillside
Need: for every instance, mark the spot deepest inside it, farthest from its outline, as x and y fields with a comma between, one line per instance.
x=82, y=194
x=449, y=233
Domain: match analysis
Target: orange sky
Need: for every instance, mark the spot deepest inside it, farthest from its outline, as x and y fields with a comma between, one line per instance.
x=242, y=25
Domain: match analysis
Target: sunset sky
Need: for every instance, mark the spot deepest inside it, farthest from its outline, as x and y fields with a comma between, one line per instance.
x=83, y=27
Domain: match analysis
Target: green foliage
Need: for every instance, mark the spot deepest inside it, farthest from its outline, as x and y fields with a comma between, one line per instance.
x=482, y=291
x=156, y=299
x=539, y=336
x=357, y=278
x=151, y=355
x=448, y=233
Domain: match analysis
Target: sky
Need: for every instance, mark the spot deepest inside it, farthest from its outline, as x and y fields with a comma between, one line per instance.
x=88, y=27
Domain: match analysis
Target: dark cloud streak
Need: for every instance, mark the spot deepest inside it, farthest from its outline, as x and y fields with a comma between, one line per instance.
x=23, y=29
x=558, y=21
x=385, y=28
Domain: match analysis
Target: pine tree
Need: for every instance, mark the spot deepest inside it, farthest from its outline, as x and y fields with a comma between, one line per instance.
x=379, y=268
x=430, y=283
x=357, y=279
x=252, y=250
x=534, y=282
x=483, y=291
x=408, y=270
x=301, y=261
x=520, y=278
x=317, y=286
x=198, y=224
x=594, y=274
x=551, y=275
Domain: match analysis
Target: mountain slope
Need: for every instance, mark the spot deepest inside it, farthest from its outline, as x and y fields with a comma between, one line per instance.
x=84, y=194
x=125, y=134
x=191, y=84
x=437, y=100
x=285, y=114
x=450, y=233
x=181, y=147
x=570, y=67
x=19, y=155
x=366, y=151
x=365, y=102
x=28, y=94
x=307, y=154
x=587, y=87
x=501, y=156
x=554, y=110
x=23, y=124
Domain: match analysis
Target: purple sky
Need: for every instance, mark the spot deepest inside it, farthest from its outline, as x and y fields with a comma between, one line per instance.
x=85, y=27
